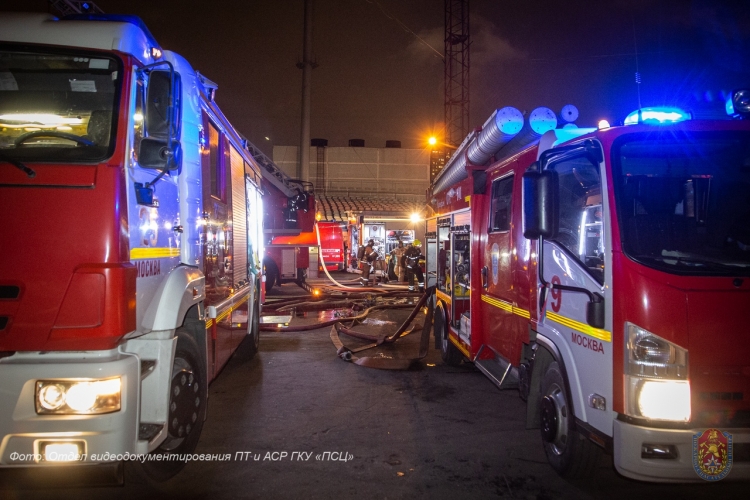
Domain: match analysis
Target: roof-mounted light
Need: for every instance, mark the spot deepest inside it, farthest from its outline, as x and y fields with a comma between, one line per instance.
x=738, y=104
x=657, y=116
x=155, y=52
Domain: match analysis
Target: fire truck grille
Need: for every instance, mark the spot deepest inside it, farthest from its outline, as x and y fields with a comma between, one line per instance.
x=721, y=396
x=722, y=418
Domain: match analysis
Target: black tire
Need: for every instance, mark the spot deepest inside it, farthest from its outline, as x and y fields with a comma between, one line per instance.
x=272, y=273
x=572, y=455
x=187, y=409
x=449, y=352
x=254, y=332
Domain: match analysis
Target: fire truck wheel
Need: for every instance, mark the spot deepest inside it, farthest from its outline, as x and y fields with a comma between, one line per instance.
x=571, y=455
x=272, y=273
x=187, y=405
x=450, y=354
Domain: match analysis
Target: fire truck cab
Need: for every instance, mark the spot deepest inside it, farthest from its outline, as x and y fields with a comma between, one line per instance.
x=133, y=272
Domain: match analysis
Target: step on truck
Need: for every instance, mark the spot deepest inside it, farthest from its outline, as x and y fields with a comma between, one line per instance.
x=130, y=265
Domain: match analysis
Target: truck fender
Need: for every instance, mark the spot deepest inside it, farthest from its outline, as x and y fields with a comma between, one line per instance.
x=545, y=354
x=184, y=288
x=159, y=352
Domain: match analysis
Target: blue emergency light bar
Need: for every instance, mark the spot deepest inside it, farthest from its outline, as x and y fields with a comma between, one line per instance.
x=657, y=116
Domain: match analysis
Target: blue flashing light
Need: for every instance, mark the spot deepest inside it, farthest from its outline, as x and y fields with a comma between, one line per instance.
x=658, y=116
x=730, y=106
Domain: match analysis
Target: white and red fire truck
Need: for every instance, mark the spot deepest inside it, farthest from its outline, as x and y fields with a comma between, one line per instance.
x=605, y=274
x=133, y=269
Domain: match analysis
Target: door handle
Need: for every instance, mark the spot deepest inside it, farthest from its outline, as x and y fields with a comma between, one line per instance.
x=485, y=281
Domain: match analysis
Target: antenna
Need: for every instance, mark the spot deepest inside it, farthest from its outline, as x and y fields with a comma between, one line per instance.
x=637, y=75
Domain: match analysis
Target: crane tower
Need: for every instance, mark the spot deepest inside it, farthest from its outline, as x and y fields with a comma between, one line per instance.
x=456, y=77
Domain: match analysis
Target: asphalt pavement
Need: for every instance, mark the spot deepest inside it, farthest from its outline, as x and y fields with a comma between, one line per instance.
x=299, y=422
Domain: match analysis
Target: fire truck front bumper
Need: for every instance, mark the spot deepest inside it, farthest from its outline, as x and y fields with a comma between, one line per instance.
x=666, y=455
x=73, y=420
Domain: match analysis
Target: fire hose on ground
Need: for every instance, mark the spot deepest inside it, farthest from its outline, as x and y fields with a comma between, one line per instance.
x=383, y=362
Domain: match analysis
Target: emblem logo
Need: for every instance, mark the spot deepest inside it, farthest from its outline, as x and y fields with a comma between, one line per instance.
x=712, y=454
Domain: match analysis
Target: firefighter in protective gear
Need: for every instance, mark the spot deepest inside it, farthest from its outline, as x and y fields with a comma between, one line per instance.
x=411, y=263
x=366, y=264
x=397, y=254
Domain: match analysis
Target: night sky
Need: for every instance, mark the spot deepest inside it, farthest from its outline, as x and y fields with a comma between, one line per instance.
x=376, y=81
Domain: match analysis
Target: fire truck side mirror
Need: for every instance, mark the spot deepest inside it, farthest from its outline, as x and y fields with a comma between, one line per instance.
x=595, y=311
x=160, y=149
x=162, y=117
x=541, y=207
x=159, y=154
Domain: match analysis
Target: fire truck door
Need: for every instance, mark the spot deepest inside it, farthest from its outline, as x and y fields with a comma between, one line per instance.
x=575, y=258
x=155, y=240
x=498, y=293
x=217, y=245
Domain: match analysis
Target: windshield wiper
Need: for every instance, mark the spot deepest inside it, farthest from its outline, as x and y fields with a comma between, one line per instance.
x=28, y=171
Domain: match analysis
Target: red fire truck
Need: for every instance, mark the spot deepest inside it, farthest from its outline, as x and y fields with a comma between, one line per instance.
x=605, y=274
x=331, y=249
x=288, y=212
x=134, y=269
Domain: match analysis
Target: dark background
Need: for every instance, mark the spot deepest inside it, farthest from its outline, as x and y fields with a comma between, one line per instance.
x=377, y=81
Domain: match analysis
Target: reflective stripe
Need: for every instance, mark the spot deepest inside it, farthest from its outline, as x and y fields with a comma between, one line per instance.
x=153, y=253
x=506, y=306
x=226, y=312
x=581, y=327
x=457, y=342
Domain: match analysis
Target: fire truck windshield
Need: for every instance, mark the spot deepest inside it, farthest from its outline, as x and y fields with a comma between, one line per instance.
x=57, y=106
x=683, y=200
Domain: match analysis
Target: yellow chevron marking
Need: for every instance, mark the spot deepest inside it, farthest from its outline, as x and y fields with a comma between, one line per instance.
x=581, y=327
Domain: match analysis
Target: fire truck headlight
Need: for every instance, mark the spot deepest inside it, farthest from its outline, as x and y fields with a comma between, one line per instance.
x=51, y=396
x=81, y=397
x=656, y=370
x=664, y=399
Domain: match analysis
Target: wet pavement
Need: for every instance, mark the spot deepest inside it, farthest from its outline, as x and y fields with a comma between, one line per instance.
x=298, y=422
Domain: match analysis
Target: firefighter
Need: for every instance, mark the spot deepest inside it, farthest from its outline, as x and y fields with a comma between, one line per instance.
x=411, y=263
x=368, y=258
x=397, y=256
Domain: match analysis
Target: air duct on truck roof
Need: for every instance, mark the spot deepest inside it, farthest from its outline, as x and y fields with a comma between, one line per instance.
x=541, y=120
x=479, y=147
